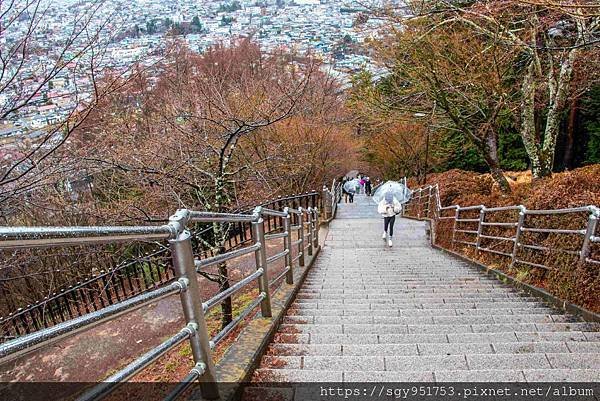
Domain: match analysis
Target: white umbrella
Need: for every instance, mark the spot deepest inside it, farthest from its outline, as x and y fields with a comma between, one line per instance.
x=352, y=185
x=400, y=192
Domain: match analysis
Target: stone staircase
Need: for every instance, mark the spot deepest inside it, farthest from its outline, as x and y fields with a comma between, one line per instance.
x=367, y=312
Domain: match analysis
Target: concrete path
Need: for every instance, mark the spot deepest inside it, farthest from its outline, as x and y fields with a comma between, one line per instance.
x=367, y=312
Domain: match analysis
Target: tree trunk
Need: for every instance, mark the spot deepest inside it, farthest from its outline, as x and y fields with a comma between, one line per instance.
x=559, y=90
x=220, y=239
x=528, y=125
x=490, y=154
x=569, y=145
x=227, y=305
x=497, y=172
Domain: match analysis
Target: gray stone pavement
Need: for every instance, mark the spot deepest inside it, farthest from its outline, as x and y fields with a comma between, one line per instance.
x=367, y=312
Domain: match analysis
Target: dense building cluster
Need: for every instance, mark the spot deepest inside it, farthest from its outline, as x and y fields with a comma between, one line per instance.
x=137, y=31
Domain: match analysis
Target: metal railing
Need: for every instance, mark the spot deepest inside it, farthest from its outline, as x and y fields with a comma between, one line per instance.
x=185, y=267
x=514, y=232
x=331, y=198
x=129, y=278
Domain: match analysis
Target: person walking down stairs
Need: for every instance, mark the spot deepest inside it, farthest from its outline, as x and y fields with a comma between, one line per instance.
x=389, y=207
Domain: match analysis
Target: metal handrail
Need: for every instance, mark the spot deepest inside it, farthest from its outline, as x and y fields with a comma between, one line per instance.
x=223, y=295
x=110, y=384
x=30, y=342
x=215, y=260
x=271, y=212
x=588, y=233
x=186, y=285
x=36, y=237
x=276, y=236
x=126, y=279
x=229, y=328
x=211, y=217
x=278, y=256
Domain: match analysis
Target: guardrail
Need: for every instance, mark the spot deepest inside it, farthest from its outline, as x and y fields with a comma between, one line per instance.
x=331, y=198
x=514, y=231
x=147, y=271
x=185, y=268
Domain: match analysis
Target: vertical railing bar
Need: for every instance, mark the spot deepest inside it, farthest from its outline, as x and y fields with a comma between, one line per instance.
x=183, y=263
x=310, y=231
x=589, y=232
x=480, y=228
x=287, y=227
x=301, y=251
x=258, y=236
x=520, y=222
x=456, y=216
x=75, y=301
x=316, y=221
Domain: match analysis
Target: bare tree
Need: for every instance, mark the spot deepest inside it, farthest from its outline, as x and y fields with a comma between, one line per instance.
x=33, y=60
x=185, y=140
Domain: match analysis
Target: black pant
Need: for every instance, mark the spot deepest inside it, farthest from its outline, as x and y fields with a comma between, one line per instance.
x=351, y=197
x=389, y=221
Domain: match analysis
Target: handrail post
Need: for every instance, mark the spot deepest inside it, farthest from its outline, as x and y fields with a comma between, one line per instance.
x=326, y=202
x=520, y=222
x=309, y=215
x=480, y=228
x=287, y=227
x=258, y=237
x=183, y=264
x=419, y=204
x=428, y=201
x=456, y=215
x=316, y=228
x=301, y=237
x=589, y=232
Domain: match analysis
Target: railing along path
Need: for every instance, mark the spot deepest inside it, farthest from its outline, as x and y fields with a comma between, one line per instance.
x=303, y=221
x=135, y=276
x=514, y=232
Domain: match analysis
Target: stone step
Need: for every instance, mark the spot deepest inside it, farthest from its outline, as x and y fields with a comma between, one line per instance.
x=471, y=361
x=370, y=281
x=388, y=328
x=401, y=288
x=490, y=337
x=403, y=298
x=487, y=375
x=419, y=305
x=432, y=349
x=410, y=295
x=388, y=291
x=453, y=319
x=418, y=312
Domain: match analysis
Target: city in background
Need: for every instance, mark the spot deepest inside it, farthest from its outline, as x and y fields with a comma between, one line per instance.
x=139, y=31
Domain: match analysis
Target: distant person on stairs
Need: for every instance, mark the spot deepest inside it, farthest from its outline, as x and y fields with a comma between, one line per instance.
x=389, y=207
x=368, y=187
x=351, y=192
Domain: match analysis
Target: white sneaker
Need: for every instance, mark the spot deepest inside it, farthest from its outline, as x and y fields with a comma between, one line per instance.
x=384, y=235
x=390, y=243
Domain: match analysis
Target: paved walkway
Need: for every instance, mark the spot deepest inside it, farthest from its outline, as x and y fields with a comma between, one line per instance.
x=367, y=312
